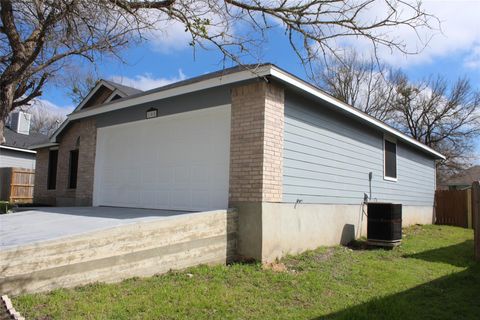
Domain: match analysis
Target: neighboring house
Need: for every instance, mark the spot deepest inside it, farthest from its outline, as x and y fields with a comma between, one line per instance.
x=15, y=152
x=462, y=180
x=294, y=161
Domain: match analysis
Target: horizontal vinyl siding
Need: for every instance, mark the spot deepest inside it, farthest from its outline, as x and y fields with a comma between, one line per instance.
x=327, y=158
x=18, y=159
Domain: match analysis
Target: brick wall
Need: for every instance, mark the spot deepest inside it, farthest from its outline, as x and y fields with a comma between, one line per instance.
x=256, y=143
x=84, y=132
x=41, y=194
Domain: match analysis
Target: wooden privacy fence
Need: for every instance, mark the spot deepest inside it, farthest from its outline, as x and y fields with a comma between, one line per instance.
x=21, y=185
x=454, y=207
x=476, y=217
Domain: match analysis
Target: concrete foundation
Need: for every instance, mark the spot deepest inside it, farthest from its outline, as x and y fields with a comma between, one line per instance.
x=268, y=231
x=141, y=249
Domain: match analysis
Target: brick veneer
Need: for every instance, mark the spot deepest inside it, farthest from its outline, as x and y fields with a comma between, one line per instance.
x=256, y=144
x=256, y=149
x=41, y=194
x=85, y=133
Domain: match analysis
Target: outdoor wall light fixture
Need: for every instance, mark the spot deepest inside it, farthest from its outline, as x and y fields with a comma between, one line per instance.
x=152, y=113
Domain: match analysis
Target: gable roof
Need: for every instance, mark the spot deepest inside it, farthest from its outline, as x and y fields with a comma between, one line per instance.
x=239, y=74
x=115, y=88
x=127, y=91
x=22, y=142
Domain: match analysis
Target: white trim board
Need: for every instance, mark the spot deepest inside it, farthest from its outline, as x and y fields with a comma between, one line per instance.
x=262, y=71
x=18, y=149
x=44, y=145
x=394, y=141
x=188, y=88
x=92, y=92
x=300, y=84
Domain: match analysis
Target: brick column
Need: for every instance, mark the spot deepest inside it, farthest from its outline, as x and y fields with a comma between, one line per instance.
x=85, y=133
x=256, y=145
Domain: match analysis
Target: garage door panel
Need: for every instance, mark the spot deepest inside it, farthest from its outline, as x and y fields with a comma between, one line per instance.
x=176, y=162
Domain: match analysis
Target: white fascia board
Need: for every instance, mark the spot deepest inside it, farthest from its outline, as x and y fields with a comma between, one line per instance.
x=18, y=149
x=302, y=85
x=101, y=83
x=188, y=88
x=43, y=145
x=53, y=138
x=113, y=94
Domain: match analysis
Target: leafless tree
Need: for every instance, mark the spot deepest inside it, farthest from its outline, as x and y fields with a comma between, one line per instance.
x=446, y=118
x=46, y=118
x=39, y=37
x=362, y=83
x=79, y=83
x=46, y=123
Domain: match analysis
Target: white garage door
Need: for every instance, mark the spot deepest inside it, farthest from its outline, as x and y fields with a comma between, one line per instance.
x=178, y=162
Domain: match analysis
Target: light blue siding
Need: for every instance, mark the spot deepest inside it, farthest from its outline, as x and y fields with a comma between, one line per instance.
x=327, y=159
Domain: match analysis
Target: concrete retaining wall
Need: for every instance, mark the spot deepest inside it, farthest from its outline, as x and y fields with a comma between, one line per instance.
x=280, y=229
x=141, y=249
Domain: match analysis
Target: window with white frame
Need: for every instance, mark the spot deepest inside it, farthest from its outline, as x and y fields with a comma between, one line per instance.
x=389, y=159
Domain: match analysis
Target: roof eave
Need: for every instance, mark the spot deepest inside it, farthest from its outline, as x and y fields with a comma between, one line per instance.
x=43, y=145
x=176, y=91
x=292, y=80
x=262, y=71
x=17, y=149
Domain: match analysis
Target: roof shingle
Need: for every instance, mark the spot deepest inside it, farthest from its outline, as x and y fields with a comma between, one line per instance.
x=22, y=141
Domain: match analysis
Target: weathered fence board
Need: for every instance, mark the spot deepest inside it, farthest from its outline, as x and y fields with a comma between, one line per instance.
x=452, y=207
x=21, y=185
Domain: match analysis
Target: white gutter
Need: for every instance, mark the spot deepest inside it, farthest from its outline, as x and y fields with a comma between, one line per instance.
x=188, y=88
x=262, y=71
x=17, y=149
x=43, y=145
x=302, y=85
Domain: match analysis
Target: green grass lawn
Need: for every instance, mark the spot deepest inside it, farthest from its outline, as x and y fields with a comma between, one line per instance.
x=431, y=276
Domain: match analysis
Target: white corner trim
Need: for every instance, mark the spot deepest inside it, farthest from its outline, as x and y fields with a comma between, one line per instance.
x=280, y=74
x=18, y=149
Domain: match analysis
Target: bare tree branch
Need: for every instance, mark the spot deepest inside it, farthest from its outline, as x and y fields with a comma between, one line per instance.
x=37, y=37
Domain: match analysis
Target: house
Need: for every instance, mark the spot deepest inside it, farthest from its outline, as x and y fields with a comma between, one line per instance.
x=462, y=180
x=15, y=152
x=295, y=162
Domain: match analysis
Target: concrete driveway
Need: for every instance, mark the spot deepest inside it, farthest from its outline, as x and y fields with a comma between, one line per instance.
x=43, y=224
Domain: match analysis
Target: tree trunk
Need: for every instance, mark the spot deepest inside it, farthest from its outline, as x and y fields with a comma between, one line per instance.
x=6, y=102
x=2, y=126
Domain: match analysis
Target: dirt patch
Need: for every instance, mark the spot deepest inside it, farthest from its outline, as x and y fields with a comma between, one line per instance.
x=275, y=266
x=324, y=256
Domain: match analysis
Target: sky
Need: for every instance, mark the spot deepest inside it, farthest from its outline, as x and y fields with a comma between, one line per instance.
x=453, y=52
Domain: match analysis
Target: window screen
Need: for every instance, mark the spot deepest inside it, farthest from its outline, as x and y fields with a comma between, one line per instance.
x=390, y=159
x=52, y=169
